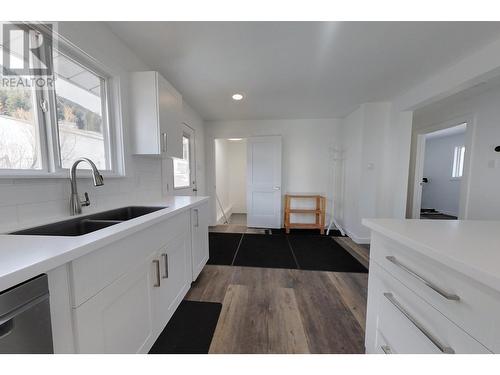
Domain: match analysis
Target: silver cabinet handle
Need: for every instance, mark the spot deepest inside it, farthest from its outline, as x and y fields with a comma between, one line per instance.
x=420, y=327
x=165, y=262
x=156, y=262
x=386, y=349
x=164, y=139
x=197, y=224
x=448, y=296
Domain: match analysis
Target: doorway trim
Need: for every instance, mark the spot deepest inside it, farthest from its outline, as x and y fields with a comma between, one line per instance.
x=463, y=211
x=190, y=133
x=210, y=138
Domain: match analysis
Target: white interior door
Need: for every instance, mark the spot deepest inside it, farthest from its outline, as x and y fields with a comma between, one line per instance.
x=264, y=182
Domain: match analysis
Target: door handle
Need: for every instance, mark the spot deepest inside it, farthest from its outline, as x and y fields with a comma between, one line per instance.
x=442, y=348
x=164, y=140
x=276, y=188
x=165, y=262
x=438, y=290
x=197, y=223
x=156, y=262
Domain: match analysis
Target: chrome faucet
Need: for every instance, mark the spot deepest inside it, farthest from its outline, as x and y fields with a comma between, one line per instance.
x=75, y=202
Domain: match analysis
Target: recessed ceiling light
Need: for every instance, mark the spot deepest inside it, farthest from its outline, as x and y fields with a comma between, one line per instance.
x=234, y=139
x=237, y=96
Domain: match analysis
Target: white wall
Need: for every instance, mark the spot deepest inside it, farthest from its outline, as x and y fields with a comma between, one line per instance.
x=483, y=199
x=24, y=202
x=307, y=143
x=441, y=192
x=375, y=165
x=237, y=154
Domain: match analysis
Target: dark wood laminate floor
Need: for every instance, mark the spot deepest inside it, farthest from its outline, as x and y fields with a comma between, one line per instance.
x=284, y=310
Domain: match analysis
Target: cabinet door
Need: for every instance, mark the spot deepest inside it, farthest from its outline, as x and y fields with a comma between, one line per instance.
x=170, y=114
x=119, y=318
x=199, y=236
x=174, y=279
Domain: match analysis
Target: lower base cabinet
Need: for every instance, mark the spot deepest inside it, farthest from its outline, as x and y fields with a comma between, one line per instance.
x=119, y=318
x=199, y=239
x=128, y=315
x=171, y=281
x=400, y=322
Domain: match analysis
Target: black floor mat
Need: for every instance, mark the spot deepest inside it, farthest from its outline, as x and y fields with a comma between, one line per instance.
x=222, y=247
x=322, y=253
x=190, y=330
x=306, y=232
x=260, y=250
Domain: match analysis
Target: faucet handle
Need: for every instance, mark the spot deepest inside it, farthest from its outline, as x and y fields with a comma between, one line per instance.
x=86, y=202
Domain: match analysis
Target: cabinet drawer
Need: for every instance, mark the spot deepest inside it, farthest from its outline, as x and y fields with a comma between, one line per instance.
x=93, y=272
x=469, y=304
x=407, y=324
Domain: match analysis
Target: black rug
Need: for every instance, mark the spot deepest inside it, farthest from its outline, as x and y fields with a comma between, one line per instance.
x=260, y=250
x=305, y=252
x=306, y=232
x=321, y=253
x=190, y=330
x=222, y=247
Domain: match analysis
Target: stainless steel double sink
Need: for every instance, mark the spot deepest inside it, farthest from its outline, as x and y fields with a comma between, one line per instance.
x=88, y=224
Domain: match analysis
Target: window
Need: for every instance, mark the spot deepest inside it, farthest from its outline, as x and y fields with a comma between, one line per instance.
x=43, y=130
x=182, y=172
x=19, y=133
x=20, y=144
x=458, y=162
x=81, y=126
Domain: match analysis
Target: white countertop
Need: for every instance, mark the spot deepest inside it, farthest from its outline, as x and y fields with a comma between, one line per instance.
x=471, y=247
x=23, y=257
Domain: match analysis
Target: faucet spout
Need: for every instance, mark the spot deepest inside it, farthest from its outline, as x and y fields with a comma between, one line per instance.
x=75, y=202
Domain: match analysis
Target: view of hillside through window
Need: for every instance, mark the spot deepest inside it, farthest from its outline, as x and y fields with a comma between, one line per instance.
x=19, y=138
x=79, y=114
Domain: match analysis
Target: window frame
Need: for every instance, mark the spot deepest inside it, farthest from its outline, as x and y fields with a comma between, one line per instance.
x=457, y=170
x=190, y=152
x=48, y=128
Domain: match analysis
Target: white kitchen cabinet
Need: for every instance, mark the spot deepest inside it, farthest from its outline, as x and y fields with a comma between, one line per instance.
x=172, y=279
x=157, y=115
x=418, y=303
x=119, y=319
x=402, y=322
x=132, y=288
x=199, y=239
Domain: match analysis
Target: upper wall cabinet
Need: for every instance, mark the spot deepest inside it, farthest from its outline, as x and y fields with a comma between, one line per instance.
x=157, y=115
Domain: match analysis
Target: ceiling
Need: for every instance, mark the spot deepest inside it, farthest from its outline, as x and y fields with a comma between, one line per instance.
x=298, y=69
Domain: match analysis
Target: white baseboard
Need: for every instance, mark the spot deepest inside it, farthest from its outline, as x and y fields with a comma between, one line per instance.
x=359, y=240
x=228, y=211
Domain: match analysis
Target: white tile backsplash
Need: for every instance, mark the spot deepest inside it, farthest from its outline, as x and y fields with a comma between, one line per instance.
x=26, y=201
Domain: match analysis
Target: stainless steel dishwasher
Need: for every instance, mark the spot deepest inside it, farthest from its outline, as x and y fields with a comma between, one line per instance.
x=25, y=325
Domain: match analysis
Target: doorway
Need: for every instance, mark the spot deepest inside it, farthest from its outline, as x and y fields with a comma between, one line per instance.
x=441, y=172
x=248, y=181
x=185, y=169
x=230, y=180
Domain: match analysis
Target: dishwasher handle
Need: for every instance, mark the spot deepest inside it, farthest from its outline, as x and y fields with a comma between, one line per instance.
x=6, y=320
